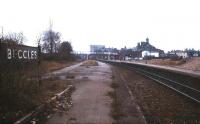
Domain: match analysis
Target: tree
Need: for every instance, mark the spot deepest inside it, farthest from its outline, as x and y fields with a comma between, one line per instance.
x=65, y=49
x=51, y=41
x=14, y=38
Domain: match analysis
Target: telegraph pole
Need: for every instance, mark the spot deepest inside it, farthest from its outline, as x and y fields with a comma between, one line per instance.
x=39, y=62
x=1, y=52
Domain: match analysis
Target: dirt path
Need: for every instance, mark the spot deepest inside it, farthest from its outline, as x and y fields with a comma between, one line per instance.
x=91, y=105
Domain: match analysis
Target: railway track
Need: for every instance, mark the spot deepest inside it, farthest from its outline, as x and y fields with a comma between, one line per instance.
x=181, y=88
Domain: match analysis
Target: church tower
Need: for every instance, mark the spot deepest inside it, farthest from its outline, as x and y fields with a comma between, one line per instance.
x=147, y=40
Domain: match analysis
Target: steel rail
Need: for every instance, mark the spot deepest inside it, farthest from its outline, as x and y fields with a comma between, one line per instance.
x=189, y=92
x=184, y=90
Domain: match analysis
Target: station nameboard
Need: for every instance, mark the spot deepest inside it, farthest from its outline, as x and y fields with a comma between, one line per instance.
x=18, y=52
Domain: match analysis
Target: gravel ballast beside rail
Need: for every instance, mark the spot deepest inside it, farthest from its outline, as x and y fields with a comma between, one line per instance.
x=166, y=79
x=159, y=104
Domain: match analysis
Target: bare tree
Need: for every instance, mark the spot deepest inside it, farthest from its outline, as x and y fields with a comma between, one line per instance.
x=51, y=41
x=16, y=38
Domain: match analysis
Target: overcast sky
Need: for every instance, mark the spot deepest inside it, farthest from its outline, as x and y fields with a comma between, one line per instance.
x=169, y=24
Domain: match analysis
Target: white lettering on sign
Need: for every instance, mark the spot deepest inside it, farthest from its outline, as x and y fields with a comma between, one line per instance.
x=32, y=54
x=28, y=55
x=35, y=53
x=21, y=54
x=9, y=53
x=25, y=57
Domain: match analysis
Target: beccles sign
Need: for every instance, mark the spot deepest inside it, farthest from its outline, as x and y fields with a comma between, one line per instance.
x=18, y=52
x=21, y=54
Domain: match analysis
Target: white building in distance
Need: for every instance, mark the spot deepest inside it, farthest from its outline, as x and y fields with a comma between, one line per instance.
x=182, y=54
x=96, y=48
x=150, y=54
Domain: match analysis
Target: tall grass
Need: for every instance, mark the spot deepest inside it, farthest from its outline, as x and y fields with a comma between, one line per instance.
x=19, y=87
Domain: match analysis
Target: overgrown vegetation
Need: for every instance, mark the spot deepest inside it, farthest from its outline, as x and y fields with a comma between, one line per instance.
x=21, y=89
x=13, y=38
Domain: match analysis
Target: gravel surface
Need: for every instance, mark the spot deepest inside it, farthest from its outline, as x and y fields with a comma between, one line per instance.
x=128, y=111
x=160, y=104
x=90, y=103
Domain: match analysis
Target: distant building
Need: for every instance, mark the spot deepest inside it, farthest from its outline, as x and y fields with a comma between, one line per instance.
x=137, y=55
x=142, y=50
x=100, y=52
x=150, y=54
x=181, y=53
x=193, y=53
x=96, y=48
x=146, y=46
x=149, y=50
x=178, y=53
